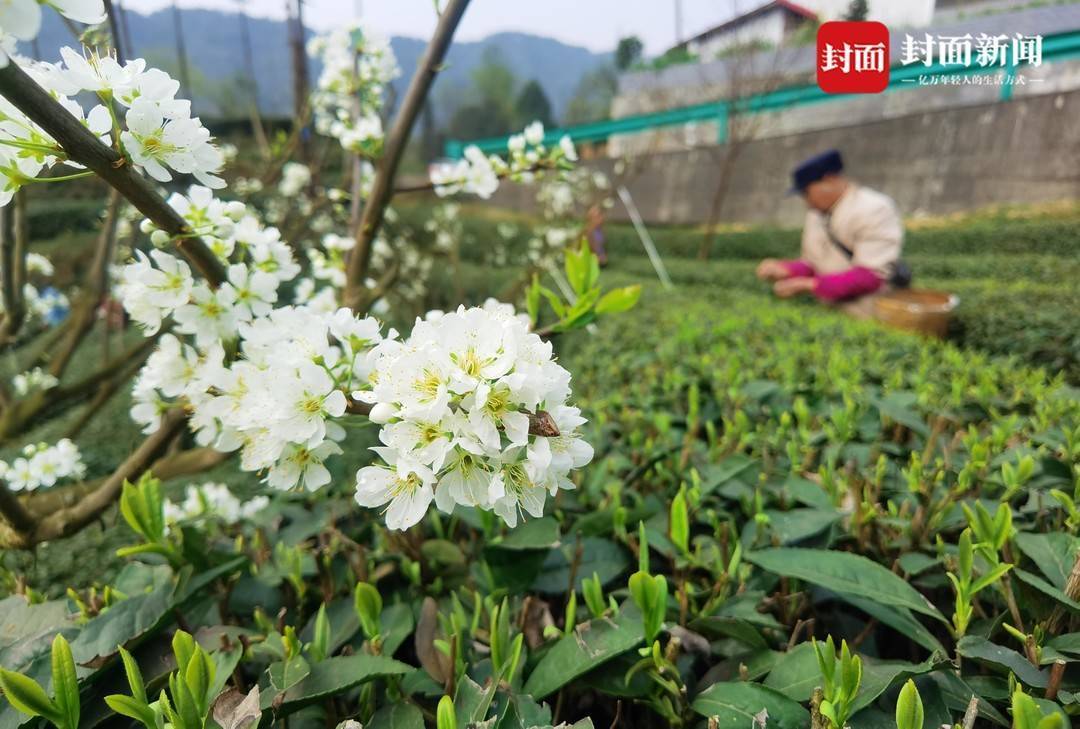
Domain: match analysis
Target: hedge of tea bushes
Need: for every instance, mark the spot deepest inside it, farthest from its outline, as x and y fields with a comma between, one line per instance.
x=773, y=486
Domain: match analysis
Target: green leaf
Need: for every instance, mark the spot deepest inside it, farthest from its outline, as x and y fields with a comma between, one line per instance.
x=134, y=676
x=844, y=572
x=127, y=620
x=26, y=695
x=716, y=475
x=993, y=575
x=65, y=686
x=898, y=618
x=1067, y=643
x=792, y=526
x=133, y=708
x=397, y=716
x=619, y=300
x=602, y=556
x=972, y=646
x=679, y=522
x=900, y=407
x=334, y=676
x=879, y=676
x=199, y=676
x=532, y=300
x=1046, y=588
x=737, y=703
x=320, y=643
x=909, y=707
x=368, y=604
x=286, y=674
x=21, y=620
x=554, y=301
x=1054, y=553
x=533, y=534
x=589, y=645
x=183, y=646
x=796, y=673
x=722, y=626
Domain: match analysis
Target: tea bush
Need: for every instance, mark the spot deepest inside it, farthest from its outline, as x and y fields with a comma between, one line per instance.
x=766, y=475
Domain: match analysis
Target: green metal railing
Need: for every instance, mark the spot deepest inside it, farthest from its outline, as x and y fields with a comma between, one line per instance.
x=1056, y=48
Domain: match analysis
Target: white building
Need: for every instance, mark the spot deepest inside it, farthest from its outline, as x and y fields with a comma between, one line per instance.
x=768, y=25
x=893, y=13
x=772, y=23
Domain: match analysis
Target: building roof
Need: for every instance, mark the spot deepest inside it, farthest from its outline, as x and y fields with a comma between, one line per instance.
x=799, y=61
x=783, y=5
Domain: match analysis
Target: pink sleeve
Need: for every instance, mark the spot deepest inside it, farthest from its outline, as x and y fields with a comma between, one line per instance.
x=847, y=284
x=797, y=268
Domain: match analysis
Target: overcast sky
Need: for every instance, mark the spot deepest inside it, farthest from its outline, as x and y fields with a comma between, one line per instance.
x=595, y=24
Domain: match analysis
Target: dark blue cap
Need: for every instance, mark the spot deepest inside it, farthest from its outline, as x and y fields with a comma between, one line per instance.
x=816, y=168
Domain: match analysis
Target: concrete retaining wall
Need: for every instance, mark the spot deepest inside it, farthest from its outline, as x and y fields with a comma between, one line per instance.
x=1024, y=150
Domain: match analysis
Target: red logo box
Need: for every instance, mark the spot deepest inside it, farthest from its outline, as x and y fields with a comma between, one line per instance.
x=853, y=57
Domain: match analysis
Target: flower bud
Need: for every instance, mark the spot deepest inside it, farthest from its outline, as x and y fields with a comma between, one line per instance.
x=160, y=238
x=224, y=229
x=235, y=209
x=147, y=226
x=381, y=413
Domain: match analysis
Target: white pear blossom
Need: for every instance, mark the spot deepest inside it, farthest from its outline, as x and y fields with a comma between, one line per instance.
x=459, y=398
x=158, y=144
x=213, y=501
x=479, y=174
x=43, y=465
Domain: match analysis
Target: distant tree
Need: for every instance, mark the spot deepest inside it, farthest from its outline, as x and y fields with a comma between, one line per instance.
x=476, y=121
x=494, y=83
x=532, y=105
x=488, y=108
x=628, y=52
x=857, y=10
x=592, y=96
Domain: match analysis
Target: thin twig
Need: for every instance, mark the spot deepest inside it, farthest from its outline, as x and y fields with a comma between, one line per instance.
x=382, y=187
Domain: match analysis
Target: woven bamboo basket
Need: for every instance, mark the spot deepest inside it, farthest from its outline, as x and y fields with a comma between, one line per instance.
x=916, y=310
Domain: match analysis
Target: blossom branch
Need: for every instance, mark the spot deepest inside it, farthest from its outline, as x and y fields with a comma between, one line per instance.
x=22, y=534
x=83, y=147
x=382, y=189
x=541, y=166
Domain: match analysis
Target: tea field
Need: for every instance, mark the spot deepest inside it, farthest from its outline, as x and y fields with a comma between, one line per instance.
x=791, y=519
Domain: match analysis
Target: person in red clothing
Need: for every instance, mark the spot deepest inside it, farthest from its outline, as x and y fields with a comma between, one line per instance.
x=851, y=242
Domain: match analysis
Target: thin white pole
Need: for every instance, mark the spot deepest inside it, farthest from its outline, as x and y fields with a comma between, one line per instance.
x=561, y=282
x=646, y=239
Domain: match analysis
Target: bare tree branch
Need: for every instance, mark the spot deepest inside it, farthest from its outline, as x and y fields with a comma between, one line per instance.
x=96, y=285
x=83, y=147
x=14, y=232
x=382, y=188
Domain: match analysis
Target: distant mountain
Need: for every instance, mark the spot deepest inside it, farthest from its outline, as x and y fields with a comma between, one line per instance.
x=212, y=40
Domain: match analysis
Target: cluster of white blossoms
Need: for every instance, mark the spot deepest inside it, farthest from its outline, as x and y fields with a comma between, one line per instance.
x=35, y=379
x=357, y=64
x=445, y=226
x=213, y=501
x=43, y=465
x=479, y=174
x=152, y=128
x=456, y=400
x=474, y=413
x=295, y=176
x=20, y=20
